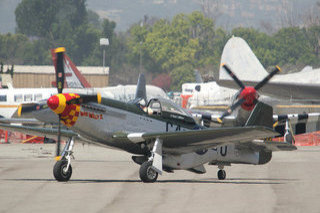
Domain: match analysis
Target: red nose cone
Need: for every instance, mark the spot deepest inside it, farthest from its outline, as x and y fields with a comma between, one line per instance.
x=250, y=95
x=53, y=102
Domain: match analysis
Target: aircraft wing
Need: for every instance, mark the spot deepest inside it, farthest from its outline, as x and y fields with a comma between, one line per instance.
x=206, y=138
x=21, y=121
x=278, y=120
x=46, y=132
x=259, y=145
x=297, y=91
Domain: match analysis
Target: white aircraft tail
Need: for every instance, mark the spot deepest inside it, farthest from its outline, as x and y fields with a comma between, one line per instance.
x=239, y=57
x=73, y=77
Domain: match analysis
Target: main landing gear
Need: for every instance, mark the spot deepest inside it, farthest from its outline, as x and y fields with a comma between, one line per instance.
x=147, y=173
x=221, y=173
x=150, y=169
x=62, y=170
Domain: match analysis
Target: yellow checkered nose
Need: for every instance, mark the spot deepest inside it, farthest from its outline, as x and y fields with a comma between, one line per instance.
x=69, y=113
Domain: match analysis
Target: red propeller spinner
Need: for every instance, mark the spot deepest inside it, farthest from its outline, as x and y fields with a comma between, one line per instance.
x=250, y=95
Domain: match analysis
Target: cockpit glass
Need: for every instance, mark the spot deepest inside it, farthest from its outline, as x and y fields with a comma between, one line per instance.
x=168, y=106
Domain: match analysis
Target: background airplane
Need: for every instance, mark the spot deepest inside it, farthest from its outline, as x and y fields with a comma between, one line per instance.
x=299, y=100
x=302, y=86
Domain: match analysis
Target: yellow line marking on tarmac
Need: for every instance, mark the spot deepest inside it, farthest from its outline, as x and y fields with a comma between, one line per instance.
x=211, y=107
x=298, y=106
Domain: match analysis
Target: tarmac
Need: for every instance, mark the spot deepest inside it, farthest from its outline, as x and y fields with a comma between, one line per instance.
x=106, y=180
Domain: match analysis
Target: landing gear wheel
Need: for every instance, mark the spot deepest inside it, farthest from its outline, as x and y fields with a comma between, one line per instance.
x=59, y=171
x=147, y=173
x=222, y=174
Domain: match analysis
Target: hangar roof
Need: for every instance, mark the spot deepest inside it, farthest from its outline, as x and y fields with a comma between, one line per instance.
x=93, y=70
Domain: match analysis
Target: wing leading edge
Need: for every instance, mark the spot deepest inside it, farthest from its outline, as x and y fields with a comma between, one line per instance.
x=205, y=138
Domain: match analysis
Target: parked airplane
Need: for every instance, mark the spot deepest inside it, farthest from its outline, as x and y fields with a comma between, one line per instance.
x=299, y=100
x=161, y=135
x=301, y=87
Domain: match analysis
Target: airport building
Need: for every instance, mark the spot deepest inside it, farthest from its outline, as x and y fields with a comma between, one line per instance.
x=43, y=76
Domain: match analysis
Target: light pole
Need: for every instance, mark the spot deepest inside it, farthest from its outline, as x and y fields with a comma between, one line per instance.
x=104, y=42
x=140, y=59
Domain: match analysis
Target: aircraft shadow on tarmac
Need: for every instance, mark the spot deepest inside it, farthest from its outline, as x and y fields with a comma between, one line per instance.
x=254, y=181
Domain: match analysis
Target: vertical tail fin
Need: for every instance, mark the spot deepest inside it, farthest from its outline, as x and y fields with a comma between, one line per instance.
x=73, y=77
x=239, y=56
x=141, y=92
x=261, y=115
x=198, y=77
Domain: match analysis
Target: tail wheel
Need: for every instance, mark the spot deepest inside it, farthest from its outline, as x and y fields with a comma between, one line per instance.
x=222, y=174
x=60, y=171
x=147, y=173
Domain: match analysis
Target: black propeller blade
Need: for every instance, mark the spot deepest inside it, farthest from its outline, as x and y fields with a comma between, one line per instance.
x=86, y=99
x=266, y=79
x=231, y=109
x=247, y=95
x=60, y=69
x=233, y=76
x=30, y=107
x=60, y=84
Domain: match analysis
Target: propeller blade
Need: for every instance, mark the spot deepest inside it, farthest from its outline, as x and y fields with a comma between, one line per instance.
x=231, y=109
x=25, y=109
x=86, y=99
x=60, y=68
x=266, y=79
x=59, y=140
x=60, y=84
x=233, y=76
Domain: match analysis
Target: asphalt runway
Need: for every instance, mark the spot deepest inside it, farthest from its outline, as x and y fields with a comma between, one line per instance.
x=106, y=180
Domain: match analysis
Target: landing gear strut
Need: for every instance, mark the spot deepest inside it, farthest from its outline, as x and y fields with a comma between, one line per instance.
x=62, y=170
x=150, y=169
x=221, y=173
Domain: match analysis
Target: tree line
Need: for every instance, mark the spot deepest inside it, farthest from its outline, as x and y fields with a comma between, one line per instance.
x=170, y=49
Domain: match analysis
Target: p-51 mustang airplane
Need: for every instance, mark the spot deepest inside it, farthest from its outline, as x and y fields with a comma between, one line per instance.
x=161, y=135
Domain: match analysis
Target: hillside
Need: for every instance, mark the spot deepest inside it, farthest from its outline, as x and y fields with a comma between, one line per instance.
x=230, y=13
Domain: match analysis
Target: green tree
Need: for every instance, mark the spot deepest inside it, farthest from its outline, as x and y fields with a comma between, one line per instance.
x=293, y=46
x=35, y=17
x=180, y=75
x=13, y=48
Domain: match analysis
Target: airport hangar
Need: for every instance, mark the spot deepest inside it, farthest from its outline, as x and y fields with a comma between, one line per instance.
x=43, y=76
